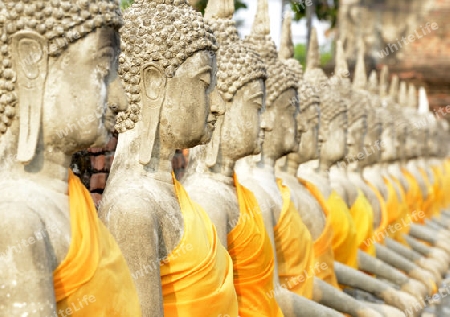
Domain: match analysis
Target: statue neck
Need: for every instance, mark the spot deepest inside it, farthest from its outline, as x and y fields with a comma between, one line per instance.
x=291, y=166
x=354, y=168
x=127, y=156
x=49, y=169
x=324, y=169
x=224, y=169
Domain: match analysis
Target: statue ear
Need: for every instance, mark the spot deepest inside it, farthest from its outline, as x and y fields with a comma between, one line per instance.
x=153, y=88
x=213, y=146
x=30, y=61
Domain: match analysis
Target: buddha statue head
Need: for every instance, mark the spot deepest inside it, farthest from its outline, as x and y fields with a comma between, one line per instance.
x=398, y=117
x=282, y=137
x=357, y=113
x=168, y=69
x=414, y=128
x=308, y=120
x=388, y=139
x=239, y=94
x=373, y=140
x=42, y=94
x=333, y=110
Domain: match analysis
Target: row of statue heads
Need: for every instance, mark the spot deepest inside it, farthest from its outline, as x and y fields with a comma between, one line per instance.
x=190, y=82
x=160, y=48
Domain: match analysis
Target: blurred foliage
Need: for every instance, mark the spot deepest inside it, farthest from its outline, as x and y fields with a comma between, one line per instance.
x=201, y=5
x=324, y=9
x=126, y=3
x=300, y=55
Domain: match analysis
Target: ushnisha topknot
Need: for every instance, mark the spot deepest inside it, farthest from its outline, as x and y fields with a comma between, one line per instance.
x=286, y=52
x=279, y=76
x=331, y=103
x=164, y=31
x=358, y=99
x=237, y=64
x=60, y=22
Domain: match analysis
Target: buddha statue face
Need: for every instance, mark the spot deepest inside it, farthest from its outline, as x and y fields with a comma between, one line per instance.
x=241, y=133
x=284, y=137
x=372, y=144
x=39, y=85
x=186, y=98
x=334, y=142
x=389, y=141
x=356, y=135
x=308, y=148
x=64, y=104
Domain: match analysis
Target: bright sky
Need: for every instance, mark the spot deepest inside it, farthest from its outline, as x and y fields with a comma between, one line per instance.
x=275, y=9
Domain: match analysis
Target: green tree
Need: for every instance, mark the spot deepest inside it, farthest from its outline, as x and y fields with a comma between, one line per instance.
x=324, y=9
x=126, y=3
x=201, y=5
x=300, y=55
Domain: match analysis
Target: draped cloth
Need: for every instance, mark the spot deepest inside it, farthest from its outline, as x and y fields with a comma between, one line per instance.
x=414, y=197
x=362, y=214
x=379, y=233
x=197, y=276
x=401, y=224
x=344, y=242
x=427, y=204
x=253, y=259
x=294, y=247
x=323, y=251
x=93, y=280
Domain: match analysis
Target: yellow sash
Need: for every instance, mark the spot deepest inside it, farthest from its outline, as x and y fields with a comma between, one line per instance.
x=380, y=233
x=295, y=249
x=427, y=206
x=413, y=196
x=93, y=280
x=197, y=276
x=403, y=222
x=323, y=250
x=362, y=214
x=253, y=260
x=344, y=242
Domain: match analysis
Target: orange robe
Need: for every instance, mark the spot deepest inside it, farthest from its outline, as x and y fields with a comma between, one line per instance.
x=294, y=247
x=344, y=244
x=427, y=205
x=414, y=198
x=380, y=233
x=94, y=279
x=253, y=259
x=197, y=276
x=403, y=223
x=362, y=214
x=323, y=250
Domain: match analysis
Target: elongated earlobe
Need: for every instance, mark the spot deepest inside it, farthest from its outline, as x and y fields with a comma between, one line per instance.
x=153, y=89
x=30, y=60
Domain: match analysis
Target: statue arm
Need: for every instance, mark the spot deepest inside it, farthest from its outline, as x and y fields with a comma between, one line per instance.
x=26, y=264
x=136, y=230
x=391, y=274
x=332, y=297
x=356, y=279
x=399, y=262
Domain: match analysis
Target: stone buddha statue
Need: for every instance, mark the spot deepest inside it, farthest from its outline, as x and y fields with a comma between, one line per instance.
x=294, y=260
x=54, y=250
x=333, y=149
x=171, y=246
x=239, y=96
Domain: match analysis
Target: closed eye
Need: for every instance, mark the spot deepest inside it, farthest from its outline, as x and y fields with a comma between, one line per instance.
x=204, y=74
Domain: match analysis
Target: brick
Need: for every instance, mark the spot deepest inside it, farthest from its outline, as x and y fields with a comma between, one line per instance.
x=98, y=163
x=112, y=144
x=98, y=181
x=97, y=198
